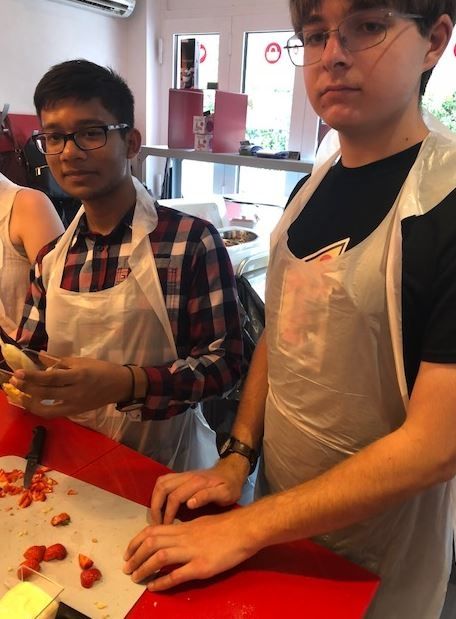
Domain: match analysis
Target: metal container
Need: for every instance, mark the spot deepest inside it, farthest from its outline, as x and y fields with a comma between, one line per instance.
x=237, y=236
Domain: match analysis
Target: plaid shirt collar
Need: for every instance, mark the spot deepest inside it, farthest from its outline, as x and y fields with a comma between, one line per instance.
x=116, y=236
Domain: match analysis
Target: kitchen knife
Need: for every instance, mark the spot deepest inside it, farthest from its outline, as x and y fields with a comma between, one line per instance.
x=66, y=612
x=34, y=456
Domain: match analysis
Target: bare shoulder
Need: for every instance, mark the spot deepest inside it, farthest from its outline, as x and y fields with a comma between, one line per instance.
x=29, y=201
x=33, y=207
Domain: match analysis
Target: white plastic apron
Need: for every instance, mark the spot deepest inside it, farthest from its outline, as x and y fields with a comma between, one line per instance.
x=127, y=323
x=337, y=383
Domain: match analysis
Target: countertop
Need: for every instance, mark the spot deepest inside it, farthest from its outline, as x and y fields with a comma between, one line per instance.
x=300, y=579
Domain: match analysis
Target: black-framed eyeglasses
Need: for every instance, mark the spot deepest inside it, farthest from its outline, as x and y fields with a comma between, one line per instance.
x=357, y=32
x=87, y=138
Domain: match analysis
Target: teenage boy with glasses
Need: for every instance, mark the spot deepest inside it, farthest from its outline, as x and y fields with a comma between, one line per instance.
x=139, y=300
x=354, y=382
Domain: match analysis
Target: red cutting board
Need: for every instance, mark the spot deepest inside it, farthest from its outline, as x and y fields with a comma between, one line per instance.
x=300, y=580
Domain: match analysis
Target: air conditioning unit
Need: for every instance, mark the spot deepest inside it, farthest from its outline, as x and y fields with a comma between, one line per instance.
x=114, y=8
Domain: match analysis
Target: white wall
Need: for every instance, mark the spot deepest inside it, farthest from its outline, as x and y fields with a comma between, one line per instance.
x=36, y=34
x=199, y=8
x=142, y=65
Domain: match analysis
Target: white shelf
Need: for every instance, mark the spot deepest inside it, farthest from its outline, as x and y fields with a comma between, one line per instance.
x=287, y=165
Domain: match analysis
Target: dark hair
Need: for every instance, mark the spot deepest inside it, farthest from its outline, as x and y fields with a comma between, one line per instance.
x=430, y=10
x=84, y=80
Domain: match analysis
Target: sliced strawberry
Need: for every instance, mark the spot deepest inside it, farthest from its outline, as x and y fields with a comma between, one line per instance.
x=85, y=562
x=35, y=552
x=56, y=551
x=24, y=570
x=44, y=469
x=60, y=520
x=25, y=500
x=14, y=475
x=88, y=577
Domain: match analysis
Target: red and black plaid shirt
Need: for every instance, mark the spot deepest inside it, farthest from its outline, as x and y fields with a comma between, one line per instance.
x=199, y=289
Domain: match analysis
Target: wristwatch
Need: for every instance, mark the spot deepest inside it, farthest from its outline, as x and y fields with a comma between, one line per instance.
x=135, y=401
x=227, y=444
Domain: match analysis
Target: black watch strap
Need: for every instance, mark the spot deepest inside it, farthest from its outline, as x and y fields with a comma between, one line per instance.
x=135, y=401
x=227, y=444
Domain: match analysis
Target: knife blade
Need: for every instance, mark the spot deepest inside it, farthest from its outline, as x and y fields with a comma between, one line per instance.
x=34, y=455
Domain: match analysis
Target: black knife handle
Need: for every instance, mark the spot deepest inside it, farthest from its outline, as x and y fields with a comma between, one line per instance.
x=36, y=448
x=66, y=612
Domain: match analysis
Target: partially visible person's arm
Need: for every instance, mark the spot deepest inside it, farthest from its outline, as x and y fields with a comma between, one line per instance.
x=202, y=304
x=223, y=483
x=31, y=331
x=34, y=222
x=419, y=454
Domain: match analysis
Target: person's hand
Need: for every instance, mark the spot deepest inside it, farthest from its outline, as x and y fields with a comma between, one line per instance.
x=72, y=387
x=221, y=484
x=191, y=550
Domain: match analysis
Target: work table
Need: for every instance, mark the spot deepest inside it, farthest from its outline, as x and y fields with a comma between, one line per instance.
x=300, y=579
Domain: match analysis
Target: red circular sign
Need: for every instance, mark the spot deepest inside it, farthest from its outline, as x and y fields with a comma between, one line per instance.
x=273, y=52
x=203, y=52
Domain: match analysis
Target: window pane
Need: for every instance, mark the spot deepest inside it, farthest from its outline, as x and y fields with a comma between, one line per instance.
x=206, y=64
x=197, y=177
x=440, y=96
x=268, y=81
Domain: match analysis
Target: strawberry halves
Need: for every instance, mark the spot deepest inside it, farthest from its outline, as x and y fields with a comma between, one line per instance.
x=60, y=520
x=35, y=552
x=25, y=569
x=88, y=577
x=56, y=551
x=85, y=562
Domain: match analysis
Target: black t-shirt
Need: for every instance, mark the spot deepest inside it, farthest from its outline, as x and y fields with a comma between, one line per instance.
x=348, y=205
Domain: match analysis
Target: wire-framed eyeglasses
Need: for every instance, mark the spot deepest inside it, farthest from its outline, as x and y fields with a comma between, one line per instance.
x=87, y=138
x=357, y=32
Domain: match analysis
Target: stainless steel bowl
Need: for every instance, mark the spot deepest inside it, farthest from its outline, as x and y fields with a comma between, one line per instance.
x=237, y=236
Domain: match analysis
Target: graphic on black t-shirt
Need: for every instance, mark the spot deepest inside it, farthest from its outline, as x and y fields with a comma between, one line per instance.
x=329, y=252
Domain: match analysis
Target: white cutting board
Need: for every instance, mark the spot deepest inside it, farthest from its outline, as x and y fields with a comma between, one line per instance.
x=95, y=515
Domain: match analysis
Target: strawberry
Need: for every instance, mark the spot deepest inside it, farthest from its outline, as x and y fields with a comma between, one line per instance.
x=88, y=577
x=60, y=520
x=38, y=495
x=24, y=570
x=56, y=551
x=25, y=499
x=35, y=552
x=44, y=469
x=85, y=562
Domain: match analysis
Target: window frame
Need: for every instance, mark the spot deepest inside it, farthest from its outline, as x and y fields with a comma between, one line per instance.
x=232, y=29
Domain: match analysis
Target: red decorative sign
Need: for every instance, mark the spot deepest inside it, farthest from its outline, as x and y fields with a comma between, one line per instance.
x=273, y=52
x=203, y=52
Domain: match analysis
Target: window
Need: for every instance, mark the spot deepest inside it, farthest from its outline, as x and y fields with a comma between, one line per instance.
x=440, y=96
x=241, y=53
x=268, y=79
